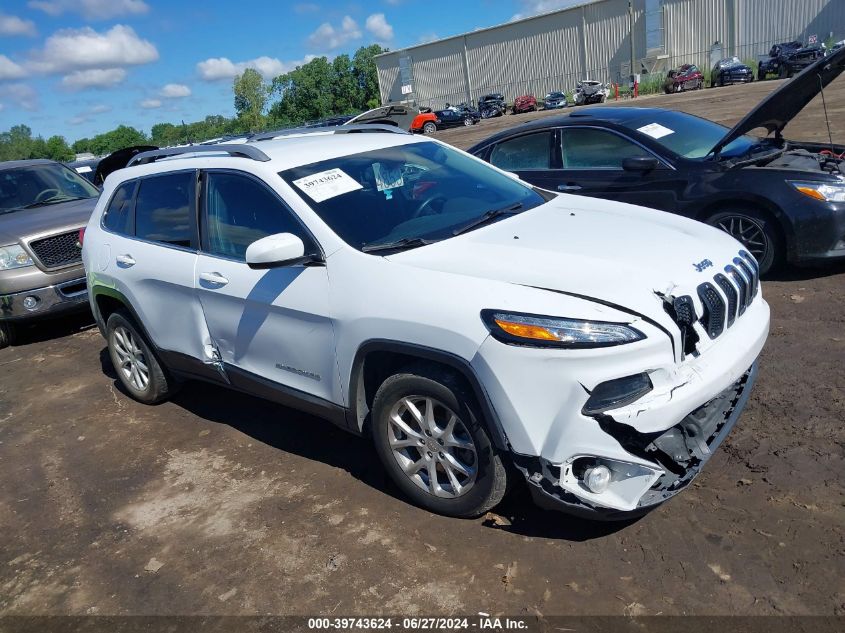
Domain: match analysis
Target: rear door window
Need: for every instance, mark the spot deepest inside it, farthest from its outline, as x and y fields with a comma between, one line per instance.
x=118, y=218
x=164, y=209
x=529, y=151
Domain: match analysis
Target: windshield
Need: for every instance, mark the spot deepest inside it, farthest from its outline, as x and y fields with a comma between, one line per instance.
x=41, y=185
x=418, y=190
x=687, y=135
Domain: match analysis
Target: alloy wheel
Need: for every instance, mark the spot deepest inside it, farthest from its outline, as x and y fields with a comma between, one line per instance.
x=132, y=362
x=749, y=232
x=432, y=446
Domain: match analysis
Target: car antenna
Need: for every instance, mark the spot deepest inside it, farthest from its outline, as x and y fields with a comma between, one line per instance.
x=826, y=118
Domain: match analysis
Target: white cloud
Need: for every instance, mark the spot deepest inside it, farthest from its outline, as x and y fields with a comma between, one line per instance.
x=378, y=26
x=150, y=104
x=93, y=78
x=77, y=49
x=91, y=9
x=306, y=7
x=175, y=91
x=13, y=25
x=21, y=95
x=428, y=37
x=9, y=69
x=216, y=68
x=328, y=37
x=100, y=109
x=536, y=7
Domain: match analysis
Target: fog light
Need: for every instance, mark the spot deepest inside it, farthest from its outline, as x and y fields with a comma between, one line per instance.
x=597, y=479
x=30, y=302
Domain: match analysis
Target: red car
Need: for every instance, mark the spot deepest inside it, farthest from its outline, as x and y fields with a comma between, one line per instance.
x=525, y=103
x=686, y=77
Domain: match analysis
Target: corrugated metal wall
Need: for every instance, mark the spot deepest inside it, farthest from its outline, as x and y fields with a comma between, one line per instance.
x=553, y=51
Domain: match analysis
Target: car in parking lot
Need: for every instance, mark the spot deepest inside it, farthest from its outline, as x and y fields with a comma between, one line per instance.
x=787, y=59
x=455, y=116
x=554, y=100
x=492, y=105
x=730, y=70
x=472, y=326
x=784, y=200
x=43, y=206
x=685, y=77
x=525, y=103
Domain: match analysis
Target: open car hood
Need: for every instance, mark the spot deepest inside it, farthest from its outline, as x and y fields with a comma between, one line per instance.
x=784, y=104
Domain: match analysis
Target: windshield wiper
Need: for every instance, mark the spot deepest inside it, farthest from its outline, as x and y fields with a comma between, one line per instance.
x=53, y=200
x=398, y=245
x=487, y=217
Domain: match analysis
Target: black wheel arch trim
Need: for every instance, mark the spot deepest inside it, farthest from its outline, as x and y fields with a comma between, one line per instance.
x=453, y=361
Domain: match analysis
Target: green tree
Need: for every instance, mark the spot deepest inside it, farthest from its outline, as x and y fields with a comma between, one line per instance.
x=250, y=98
x=16, y=144
x=58, y=149
x=118, y=138
x=81, y=146
x=366, y=75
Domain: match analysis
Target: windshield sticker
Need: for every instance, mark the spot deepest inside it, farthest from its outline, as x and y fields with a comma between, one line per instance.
x=655, y=130
x=83, y=170
x=327, y=184
x=387, y=178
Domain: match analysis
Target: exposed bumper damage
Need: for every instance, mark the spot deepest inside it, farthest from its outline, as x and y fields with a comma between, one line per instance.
x=676, y=455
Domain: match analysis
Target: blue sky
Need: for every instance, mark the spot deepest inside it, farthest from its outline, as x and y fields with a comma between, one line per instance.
x=81, y=67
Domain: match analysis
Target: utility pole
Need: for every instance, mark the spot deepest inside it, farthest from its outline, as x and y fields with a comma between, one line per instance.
x=631, y=25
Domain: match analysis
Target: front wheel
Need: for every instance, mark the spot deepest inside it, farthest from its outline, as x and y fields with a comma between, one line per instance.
x=756, y=232
x=137, y=367
x=7, y=334
x=468, y=122
x=431, y=439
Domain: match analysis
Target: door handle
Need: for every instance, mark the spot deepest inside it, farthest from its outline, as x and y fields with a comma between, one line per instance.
x=214, y=278
x=125, y=261
x=569, y=187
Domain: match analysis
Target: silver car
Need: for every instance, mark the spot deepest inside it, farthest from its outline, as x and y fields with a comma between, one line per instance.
x=43, y=206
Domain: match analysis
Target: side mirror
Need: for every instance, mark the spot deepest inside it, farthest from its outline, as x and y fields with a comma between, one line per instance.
x=640, y=163
x=281, y=249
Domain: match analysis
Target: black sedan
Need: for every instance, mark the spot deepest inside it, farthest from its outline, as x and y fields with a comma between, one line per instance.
x=784, y=200
x=457, y=115
x=730, y=71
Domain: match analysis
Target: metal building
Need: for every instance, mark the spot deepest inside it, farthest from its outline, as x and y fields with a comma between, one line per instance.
x=594, y=40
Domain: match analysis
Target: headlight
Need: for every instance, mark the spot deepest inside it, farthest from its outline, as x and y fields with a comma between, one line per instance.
x=826, y=192
x=13, y=257
x=543, y=331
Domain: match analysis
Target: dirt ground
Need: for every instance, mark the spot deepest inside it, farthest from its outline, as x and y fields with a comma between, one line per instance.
x=219, y=503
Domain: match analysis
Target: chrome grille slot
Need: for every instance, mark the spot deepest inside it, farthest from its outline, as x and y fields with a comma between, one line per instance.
x=749, y=276
x=732, y=295
x=755, y=269
x=741, y=284
x=713, y=318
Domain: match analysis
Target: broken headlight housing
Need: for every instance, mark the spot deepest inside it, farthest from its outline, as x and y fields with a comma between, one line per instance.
x=616, y=393
x=533, y=330
x=824, y=191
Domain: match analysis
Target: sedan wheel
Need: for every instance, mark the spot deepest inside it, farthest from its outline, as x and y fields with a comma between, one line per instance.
x=432, y=446
x=755, y=231
x=468, y=122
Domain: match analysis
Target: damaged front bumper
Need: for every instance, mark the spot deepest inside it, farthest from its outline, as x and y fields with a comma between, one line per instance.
x=662, y=464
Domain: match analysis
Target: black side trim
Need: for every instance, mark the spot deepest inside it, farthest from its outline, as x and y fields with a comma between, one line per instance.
x=499, y=437
x=253, y=384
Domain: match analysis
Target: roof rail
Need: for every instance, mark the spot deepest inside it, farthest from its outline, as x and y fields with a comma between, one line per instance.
x=348, y=128
x=239, y=150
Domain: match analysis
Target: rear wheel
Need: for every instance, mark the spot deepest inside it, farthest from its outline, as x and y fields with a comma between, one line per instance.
x=431, y=439
x=468, y=122
x=756, y=231
x=7, y=334
x=137, y=367
x=429, y=127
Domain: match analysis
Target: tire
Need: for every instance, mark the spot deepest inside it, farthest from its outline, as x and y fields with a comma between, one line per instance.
x=7, y=334
x=761, y=74
x=783, y=72
x=429, y=127
x=482, y=482
x=468, y=122
x=757, y=232
x=137, y=367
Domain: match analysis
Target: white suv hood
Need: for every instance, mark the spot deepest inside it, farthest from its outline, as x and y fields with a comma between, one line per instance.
x=613, y=252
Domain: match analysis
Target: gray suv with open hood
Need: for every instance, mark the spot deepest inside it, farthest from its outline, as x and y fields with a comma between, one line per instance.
x=43, y=206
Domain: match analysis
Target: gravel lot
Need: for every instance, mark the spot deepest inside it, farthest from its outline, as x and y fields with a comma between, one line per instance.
x=219, y=503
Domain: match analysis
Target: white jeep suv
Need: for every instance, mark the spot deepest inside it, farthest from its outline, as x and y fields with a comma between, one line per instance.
x=476, y=328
